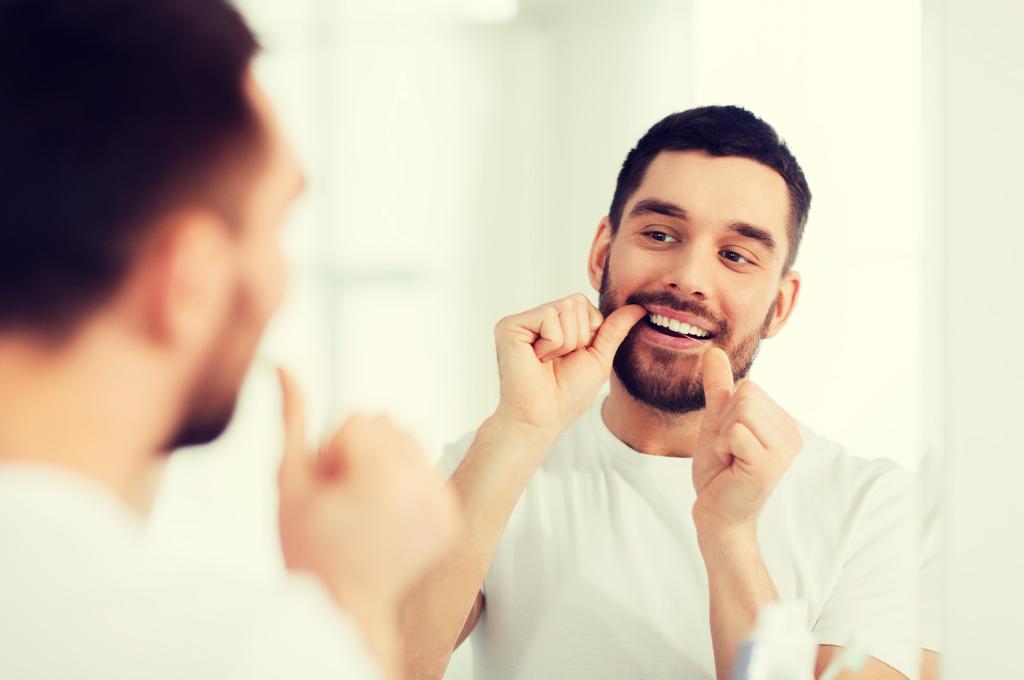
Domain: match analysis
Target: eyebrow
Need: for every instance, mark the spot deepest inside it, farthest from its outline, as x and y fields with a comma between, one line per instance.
x=654, y=206
x=755, y=233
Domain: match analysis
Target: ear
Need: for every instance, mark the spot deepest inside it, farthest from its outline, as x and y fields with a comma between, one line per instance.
x=789, y=292
x=189, y=272
x=599, y=251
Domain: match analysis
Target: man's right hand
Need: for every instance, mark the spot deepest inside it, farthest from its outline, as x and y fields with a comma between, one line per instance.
x=553, y=359
x=368, y=516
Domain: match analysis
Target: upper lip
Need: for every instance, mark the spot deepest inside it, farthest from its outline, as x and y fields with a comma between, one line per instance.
x=681, y=317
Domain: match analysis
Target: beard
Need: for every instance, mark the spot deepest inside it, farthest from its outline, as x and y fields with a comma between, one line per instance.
x=210, y=402
x=208, y=417
x=664, y=380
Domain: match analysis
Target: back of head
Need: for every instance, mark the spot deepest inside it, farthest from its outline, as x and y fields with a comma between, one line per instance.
x=718, y=131
x=112, y=113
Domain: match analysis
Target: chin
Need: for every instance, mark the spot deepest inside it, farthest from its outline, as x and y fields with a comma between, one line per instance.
x=672, y=389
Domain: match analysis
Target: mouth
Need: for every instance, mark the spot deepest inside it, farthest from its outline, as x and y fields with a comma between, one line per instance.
x=677, y=329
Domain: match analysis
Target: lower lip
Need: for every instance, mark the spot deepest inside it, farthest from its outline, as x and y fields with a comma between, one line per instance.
x=671, y=342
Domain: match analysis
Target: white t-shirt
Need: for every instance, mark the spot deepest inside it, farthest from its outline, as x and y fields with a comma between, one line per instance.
x=598, y=574
x=81, y=597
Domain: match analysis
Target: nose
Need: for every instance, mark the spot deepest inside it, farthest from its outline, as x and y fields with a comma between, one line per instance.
x=689, y=273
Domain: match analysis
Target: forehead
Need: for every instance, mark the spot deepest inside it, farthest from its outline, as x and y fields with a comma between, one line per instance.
x=718, y=189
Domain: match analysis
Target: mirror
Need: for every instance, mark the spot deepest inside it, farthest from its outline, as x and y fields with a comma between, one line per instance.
x=461, y=154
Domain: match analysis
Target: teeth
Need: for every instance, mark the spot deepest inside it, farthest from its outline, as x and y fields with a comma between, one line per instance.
x=692, y=330
x=677, y=326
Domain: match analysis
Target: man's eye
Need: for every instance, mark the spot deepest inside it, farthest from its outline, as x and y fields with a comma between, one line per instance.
x=733, y=256
x=661, y=237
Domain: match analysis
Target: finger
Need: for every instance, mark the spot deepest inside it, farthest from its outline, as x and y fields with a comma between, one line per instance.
x=345, y=450
x=358, y=432
x=550, y=336
x=373, y=437
x=722, y=447
x=293, y=414
x=583, y=324
x=403, y=442
x=613, y=331
x=596, y=319
x=525, y=326
x=570, y=332
x=718, y=384
x=739, y=442
x=755, y=409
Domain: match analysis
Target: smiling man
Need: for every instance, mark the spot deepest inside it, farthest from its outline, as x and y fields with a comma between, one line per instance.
x=641, y=539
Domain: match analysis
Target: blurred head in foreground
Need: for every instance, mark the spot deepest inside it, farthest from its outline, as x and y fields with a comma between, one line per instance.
x=144, y=183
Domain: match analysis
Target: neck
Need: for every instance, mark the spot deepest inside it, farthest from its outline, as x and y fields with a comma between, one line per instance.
x=648, y=430
x=86, y=406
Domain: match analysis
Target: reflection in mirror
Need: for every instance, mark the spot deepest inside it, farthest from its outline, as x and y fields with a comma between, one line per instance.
x=461, y=158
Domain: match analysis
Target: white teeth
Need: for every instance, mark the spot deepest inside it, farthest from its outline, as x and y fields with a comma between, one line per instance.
x=677, y=326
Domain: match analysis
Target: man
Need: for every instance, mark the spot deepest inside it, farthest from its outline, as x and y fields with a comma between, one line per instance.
x=641, y=539
x=145, y=182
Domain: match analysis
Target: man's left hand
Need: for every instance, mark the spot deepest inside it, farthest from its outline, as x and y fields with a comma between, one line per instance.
x=746, y=444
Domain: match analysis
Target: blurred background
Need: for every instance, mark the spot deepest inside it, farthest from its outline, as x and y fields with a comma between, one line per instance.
x=460, y=154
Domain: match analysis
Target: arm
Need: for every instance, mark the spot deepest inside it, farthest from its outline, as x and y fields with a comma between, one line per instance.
x=873, y=669
x=550, y=372
x=746, y=444
x=443, y=608
x=929, y=665
x=738, y=586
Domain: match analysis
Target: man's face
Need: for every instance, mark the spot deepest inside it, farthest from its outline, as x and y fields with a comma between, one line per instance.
x=701, y=244
x=259, y=284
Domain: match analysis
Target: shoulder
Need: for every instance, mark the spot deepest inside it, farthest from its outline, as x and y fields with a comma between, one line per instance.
x=825, y=471
x=829, y=461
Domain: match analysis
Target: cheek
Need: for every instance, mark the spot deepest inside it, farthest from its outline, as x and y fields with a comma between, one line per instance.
x=266, y=277
x=631, y=271
x=748, y=310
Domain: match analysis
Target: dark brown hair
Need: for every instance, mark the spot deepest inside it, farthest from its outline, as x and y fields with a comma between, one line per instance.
x=718, y=131
x=112, y=112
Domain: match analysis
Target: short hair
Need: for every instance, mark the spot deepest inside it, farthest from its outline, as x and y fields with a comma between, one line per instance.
x=113, y=113
x=717, y=131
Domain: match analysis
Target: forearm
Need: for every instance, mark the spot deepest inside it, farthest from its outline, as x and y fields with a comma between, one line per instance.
x=739, y=585
x=377, y=621
x=488, y=484
x=380, y=632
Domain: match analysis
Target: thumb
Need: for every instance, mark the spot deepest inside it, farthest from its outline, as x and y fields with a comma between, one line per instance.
x=718, y=384
x=613, y=331
x=294, y=459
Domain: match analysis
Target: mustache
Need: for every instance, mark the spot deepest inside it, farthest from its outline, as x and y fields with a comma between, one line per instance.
x=666, y=299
